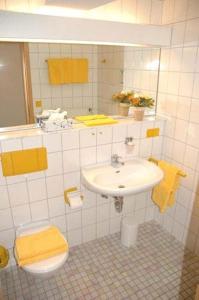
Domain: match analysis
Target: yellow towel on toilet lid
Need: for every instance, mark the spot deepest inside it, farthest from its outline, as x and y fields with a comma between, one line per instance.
x=39, y=246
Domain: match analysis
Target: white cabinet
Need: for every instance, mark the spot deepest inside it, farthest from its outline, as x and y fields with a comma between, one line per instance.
x=87, y=137
x=104, y=135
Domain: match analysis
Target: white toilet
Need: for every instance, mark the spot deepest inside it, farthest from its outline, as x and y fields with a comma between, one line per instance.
x=45, y=268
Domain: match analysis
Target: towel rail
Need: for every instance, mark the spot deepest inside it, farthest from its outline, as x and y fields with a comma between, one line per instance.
x=156, y=161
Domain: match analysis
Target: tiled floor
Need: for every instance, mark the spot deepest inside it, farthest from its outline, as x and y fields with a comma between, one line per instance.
x=157, y=268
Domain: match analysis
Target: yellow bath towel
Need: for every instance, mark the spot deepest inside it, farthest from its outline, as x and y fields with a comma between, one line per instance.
x=67, y=70
x=39, y=246
x=24, y=161
x=163, y=194
x=98, y=122
x=89, y=117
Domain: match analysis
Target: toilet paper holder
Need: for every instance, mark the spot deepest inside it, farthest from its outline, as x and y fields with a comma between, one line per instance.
x=73, y=189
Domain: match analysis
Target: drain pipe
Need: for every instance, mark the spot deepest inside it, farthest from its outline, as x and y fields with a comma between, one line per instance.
x=118, y=201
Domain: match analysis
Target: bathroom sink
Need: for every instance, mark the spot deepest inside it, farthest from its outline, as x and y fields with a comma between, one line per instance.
x=135, y=176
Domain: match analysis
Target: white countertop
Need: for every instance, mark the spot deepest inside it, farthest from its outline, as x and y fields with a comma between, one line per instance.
x=28, y=130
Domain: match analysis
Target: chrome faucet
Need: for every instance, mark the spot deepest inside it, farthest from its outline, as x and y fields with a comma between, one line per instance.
x=116, y=161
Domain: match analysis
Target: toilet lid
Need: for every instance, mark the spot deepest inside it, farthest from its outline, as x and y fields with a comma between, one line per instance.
x=47, y=265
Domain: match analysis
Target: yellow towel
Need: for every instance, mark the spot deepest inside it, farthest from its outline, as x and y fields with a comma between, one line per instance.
x=24, y=161
x=67, y=70
x=4, y=257
x=98, y=122
x=39, y=246
x=163, y=194
x=89, y=117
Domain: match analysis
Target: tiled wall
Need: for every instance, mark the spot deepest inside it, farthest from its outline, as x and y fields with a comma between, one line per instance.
x=76, y=99
x=179, y=100
x=135, y=11
x=110, y=77
x=39, y=196
x=125, y=68
x=141, y=67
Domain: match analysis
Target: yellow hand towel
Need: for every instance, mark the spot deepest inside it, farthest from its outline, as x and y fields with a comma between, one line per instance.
x=80, y=70
x=89, y=117
x=67, y=70
x=98, y=122
x=163, y=194
x=24, y=161
x=41, y=245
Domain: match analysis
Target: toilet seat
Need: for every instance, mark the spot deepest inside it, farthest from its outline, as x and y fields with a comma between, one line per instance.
x=47, y=265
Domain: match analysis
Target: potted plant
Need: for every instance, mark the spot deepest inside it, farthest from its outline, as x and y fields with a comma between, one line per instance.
x=140, y=102
x=124, y=99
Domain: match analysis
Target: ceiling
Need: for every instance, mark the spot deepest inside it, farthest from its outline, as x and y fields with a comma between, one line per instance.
x=77, y=4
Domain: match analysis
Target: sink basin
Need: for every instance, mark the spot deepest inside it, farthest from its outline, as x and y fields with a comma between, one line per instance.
x=135, y=176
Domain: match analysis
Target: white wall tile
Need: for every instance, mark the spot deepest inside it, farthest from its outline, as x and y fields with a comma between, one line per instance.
x=104, y=153
x=5, y=219
x=71, y=180
x=60, y=222
x=37, y=190
x=71, y=160
x=89, y=233
x=21, y=214
x=134, y=131
x=191, y=157
x=89, y=216
x=145, y=147
x=119, y=133
x=52, y=142
x=54, y=186
x=56, y=206
x=32, y=142
x=70, y=139
x=194, y=111
x=115, y=225
x=55, y=164
x=39, y=210
x=88, y=156
x=4, y=201
x=74, y=237
x=11, y=145
x=88, y=137
x=103, y=212
x=102, y=229
x=104, y=135
x=74, y=220
x=18, y=193
x=7, y=238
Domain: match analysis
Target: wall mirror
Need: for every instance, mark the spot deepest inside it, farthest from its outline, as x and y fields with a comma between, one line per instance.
x=25, y=89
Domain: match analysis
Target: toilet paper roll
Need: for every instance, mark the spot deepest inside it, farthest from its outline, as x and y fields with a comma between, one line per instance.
x=75, y=201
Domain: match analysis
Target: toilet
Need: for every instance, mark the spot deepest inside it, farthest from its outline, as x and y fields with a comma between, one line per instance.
x=45, y=268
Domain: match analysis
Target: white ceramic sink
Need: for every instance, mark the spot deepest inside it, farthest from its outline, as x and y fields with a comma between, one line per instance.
x=135, y=176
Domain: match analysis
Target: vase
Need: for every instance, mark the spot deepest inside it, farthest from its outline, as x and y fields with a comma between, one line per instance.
x=138, y=113
x=123, y=109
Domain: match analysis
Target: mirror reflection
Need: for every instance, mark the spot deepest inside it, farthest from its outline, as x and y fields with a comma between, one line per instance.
x=38, y=80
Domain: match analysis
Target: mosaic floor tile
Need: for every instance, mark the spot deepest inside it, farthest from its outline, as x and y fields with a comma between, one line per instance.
x=158, y=267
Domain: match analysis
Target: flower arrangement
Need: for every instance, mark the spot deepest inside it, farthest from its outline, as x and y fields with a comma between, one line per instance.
x=133, y=99
x=142, y=101
x=124, y=97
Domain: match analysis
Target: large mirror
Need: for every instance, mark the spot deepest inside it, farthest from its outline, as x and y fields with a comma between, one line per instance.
x=25, y=89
